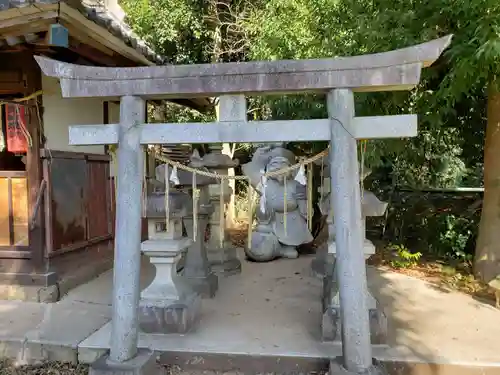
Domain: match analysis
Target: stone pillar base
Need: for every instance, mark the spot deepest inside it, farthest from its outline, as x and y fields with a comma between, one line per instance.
x=325, y=257
x=224, y=261
x=332, y=328
x=167, y=305
x=336, y=368
x=331, y=322
x=174, y=317
x=206, y=286
x=321, y=261
x=144, y=363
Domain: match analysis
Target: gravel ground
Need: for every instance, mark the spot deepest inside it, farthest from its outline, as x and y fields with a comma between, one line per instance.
x=7, y=367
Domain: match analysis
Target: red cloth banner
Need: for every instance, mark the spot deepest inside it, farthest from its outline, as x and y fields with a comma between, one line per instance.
x=15, y=122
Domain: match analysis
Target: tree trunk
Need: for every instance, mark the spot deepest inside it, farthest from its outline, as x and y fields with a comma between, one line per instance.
x=487, y=259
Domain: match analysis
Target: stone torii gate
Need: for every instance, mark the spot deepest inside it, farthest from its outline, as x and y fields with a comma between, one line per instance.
x=338, y=77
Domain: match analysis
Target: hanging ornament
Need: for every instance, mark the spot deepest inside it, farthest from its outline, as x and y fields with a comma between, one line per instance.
x=301, y=176
x=174, y=178
x=195, y=155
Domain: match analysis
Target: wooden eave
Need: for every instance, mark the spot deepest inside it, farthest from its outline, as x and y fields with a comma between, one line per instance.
x=36, y=18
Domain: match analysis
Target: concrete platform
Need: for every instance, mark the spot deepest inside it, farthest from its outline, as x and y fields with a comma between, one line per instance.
x=32, y=332
x=267, y=319
x=272, y=310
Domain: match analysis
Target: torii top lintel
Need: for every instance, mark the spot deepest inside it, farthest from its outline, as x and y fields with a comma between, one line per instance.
x=387, y=71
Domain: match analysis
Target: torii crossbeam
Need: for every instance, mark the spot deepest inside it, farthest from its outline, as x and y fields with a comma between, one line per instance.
x=339, y=77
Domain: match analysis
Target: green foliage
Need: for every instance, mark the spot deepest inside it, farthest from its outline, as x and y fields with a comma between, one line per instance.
x=403, y=258
x=440, y=226
x=174, y=28
x=450, y=100
x=453, y=235
x=172, y=112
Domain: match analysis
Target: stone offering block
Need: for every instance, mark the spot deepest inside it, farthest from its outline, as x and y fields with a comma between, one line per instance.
x=173, y=317
x=168, y=304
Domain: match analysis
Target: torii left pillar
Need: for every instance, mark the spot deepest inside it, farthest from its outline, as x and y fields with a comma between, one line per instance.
x=124, y=354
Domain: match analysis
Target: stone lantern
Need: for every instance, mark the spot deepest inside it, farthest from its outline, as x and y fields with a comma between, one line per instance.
x=168, y=304
x=222, y=255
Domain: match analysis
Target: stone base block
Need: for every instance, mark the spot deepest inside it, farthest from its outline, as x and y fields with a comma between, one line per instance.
x=337, y=368
x=206, y=287
x=332, y=328
x=228, y=268
x=325, y=258
x=176, y=317
x=144, y=363
x=224, y=261
x=322, y=261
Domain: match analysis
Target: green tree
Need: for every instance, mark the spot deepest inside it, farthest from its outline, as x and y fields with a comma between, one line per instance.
x=457, y=97
x=452, y=98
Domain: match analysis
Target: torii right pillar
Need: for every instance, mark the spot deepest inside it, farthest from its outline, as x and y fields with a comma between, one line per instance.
x=349, y=237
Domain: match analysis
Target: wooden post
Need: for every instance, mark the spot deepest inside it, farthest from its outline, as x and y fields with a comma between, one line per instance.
x=127, y=265
x=346, y=198
x=33, y=80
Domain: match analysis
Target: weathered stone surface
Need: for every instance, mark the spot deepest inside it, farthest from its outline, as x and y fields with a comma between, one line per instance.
x=346, y=203
x=252, y=131
x=157, y=229
x=176, y=317
x=144, y=363
x=281, y=209
x=322, y=261
x=197, y=270
x=332, y=326
x=215, y=161
x=168, y=304
x=205, y=286
x=337, y=368
x=224, y=261
x=126, y=291
x=331, y=322
x=425, y=53
x=180, y=204
x=221, y=253
x=324, y=255
x=392, y=70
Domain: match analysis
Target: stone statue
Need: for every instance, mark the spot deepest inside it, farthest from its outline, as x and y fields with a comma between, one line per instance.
x=279, y=231
x=370, y=206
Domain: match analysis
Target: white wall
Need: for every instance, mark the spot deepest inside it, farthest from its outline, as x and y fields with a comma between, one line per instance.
x=60, y=112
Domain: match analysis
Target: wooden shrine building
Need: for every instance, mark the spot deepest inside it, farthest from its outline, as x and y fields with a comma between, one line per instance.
x=56, y=200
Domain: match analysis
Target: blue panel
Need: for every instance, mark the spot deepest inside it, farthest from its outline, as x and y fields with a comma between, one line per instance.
x=58, y=35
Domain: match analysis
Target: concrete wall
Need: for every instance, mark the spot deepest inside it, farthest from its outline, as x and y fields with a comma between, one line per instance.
x=60, y=112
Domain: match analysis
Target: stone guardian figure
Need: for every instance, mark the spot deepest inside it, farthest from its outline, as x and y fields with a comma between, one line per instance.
x=282, y=206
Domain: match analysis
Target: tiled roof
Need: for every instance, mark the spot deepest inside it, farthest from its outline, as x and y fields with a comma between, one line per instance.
x=101, y=17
